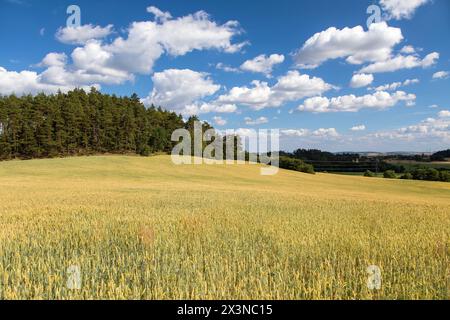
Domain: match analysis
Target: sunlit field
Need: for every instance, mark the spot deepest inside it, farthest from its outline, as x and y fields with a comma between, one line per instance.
x=143, y=228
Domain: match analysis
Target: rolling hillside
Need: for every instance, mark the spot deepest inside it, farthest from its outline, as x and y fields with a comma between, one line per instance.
x=144, y=228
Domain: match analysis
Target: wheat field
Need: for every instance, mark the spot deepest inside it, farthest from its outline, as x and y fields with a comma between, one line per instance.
x=143, y=228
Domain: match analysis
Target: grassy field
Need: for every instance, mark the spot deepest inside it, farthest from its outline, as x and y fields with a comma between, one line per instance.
x=142, y=228
x=358, y=174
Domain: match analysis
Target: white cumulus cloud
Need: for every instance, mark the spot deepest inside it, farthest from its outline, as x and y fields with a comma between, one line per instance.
x=352, y=103
x=82, y=34
x=98, y=62
x=226, y=68
x=148, y=40
x=260, y=120
x=175, y=89
x=325, y=132
x=262, y=63
x=354, y=44
x=358, y=128
x=361, y=80
x=291, y=87
x=395, y=85
x=401, y=62
x=408, y=50
x=428, y=132
x=219, y=121
x=159, y=15
x=441, y=75
x=54, y=59
x=30, y=82
x=401, y=9
x=444, y=114
x=295, y=132
x=199, y=107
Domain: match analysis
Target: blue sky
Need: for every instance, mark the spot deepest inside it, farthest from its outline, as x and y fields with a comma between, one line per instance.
x=287, y=65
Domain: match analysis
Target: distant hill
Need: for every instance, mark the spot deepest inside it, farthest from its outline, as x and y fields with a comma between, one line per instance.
x=441, y=155
x=382, y=154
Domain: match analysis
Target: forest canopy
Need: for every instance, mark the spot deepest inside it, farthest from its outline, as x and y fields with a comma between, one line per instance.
x=77, y=123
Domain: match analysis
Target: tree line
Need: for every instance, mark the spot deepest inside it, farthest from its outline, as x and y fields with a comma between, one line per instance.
x=79, y=123
x=441, y=155
x=322, y=161
x=419, y=173
x=437, y=156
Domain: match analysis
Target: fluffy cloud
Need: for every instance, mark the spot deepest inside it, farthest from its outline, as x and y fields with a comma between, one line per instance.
x=401, y=9
x=329, y=133
x=97, y=62
x=408, y=50
x=291, y=87
x=395, y=85
x=358, y=128
x=291, y=139
x=361, y=80
x=54, y=59
x=148, y=40
x=82, y=34
x=322, y=138
x=262, y=63
x=429, y=132
x=260, y=120
x=401, y=62
x=441, y=75
x=199, y=33
x=258, y=96
x=175, y=89
x=159, y=15
x=208, y=107
x=224, y=67
x=93, y=59
x=295, y=86
x=183, y=90
x=310, y=135
x=30, y=82
x=56, y=76
x=319, y=133
x=295, y=132
x=352, y=103
x=62, y=76
x=444, y=114
x=354, y=44
x=219, y=121
x=374, y=46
